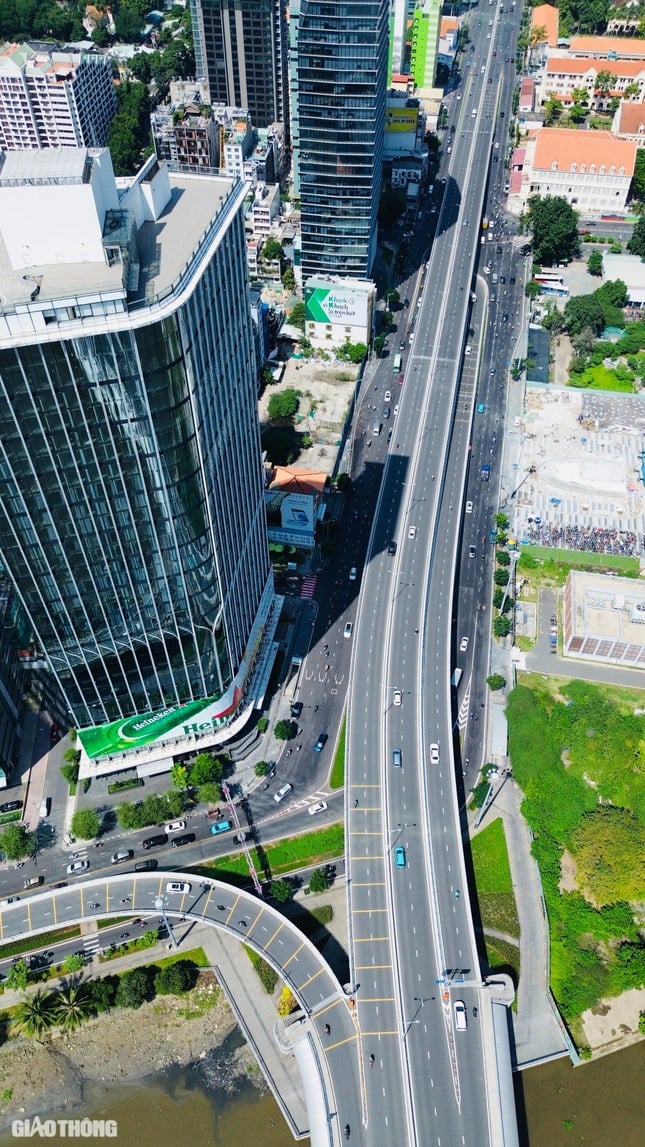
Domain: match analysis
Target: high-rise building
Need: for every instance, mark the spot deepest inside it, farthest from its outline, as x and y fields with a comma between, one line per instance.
x=426, y=25
x=54, y=99
x=132, y=523
x=401, y=13
x=337, y=73
x=241, y=52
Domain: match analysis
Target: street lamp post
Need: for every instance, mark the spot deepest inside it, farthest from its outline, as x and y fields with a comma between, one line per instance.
x=419, y=1001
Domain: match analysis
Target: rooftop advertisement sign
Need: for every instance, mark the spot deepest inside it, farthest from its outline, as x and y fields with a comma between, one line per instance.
x=141, y=731
x=340, y=306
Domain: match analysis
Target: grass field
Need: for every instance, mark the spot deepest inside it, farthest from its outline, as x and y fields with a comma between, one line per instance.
x=555, y=563
x=493, y=876
x=337, y=778
x=286, y=856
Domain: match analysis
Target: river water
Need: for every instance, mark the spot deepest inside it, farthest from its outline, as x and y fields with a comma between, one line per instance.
x=601, y=1104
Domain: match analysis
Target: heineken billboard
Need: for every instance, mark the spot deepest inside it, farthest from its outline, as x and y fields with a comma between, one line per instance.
x=169, y=724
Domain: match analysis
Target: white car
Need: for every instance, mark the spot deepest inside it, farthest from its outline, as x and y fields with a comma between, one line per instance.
x=487, y=270
x=353, y=573
x=388, y=396
x=434, y=754
x=347, y=632
x=433, y=209
x=282, y=793
x=320, y=806
x=397, y=697
x=77, y=866
x=178, y=886
x=412, y=532
x=496, y=144
x=174, y=826
x=463, y=645
x=458, y=95
x=469, y=507
x=461, y=1022
x=395, y=411
x=469, y=350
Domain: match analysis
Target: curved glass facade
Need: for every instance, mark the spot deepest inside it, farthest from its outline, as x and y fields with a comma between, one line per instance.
x=131, y=498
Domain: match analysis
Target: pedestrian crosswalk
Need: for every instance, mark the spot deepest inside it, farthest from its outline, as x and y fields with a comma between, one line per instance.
x=91, y=945
x=308, y=587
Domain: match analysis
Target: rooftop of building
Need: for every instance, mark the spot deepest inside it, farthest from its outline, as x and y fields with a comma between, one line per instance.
x=560, y=149
x=605, y=46
x=50, y=61
x=298, y=480
x=629, y=268
x=547, y=17
x=631, y=118
x=580, y=65
x=448, y=24
x=165, y=246
x=607, y=606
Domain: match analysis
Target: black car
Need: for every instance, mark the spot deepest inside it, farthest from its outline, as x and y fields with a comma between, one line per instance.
x=386, y=412
x=296, y=709
x=502, y=278
x=505, y=317
x=406, y=302
x=146, y=865
x=391, y=548
x=155, y=841
x=178, y=841
x=10, y=806
x=321, y=742
x=512, y=280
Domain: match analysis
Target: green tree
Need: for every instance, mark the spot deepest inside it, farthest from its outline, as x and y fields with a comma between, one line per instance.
x=584, y=312
x=128, y=815
x=135, y=988
x=392, y=298
x=552, y=110
x=154, y=809
x=636, y=244
x=206, y=768
x=180, y=776
x=272, y=249
x=284, y=730
x=35, y=1014
x=609, y=850
x=140, y=67
x=73, y=963
x=70, y=773
x=503, y=558
x=297, y=316
x=17, y=977
x=501, y=626
x=605, y=82
x=495, y=682
x=379, y=344
x=210, y=793
x=532, y=289
x=501, y=521
x=129, y=135
x=72, y=756
x=554, y=228
x=594, y=263
x=288, y=279
x=100, y=36
x=283, y=405
x=174, y=979
x=500, y=577
x=72, y=1005
x=85, y=824
x=281, y=890
x=318, y=881
x=17, y=842
x=261, y=768
x=177, y=802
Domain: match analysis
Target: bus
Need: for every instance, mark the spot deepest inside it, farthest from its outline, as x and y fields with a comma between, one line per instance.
x=559, y=290
x=396, y=365
x=456, y=678
x=549, y=278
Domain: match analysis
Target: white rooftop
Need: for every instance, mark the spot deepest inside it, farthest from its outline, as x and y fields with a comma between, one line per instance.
x=629, y=268
x=45, y=166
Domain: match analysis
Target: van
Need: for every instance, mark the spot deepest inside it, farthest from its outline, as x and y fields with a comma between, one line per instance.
x=376, y=430
x=146, y=865
x=220, y=826
x=122, y=854
x=34, y=881
x=396, y=758
x=45, y=806
x=461, y=1022
x=282, y=793
x=495, y=278
x=155, y=841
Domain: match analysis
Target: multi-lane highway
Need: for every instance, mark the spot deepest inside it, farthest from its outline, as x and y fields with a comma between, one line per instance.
x=412, y=940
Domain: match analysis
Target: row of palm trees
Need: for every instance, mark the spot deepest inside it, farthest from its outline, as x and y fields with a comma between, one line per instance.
x=66, y=1008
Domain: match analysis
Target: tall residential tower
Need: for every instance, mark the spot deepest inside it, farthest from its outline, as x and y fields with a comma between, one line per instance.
x=241, y=52
x=132, y=523
x=337, y=73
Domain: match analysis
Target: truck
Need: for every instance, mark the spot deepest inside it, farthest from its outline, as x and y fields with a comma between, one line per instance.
x=485, y=473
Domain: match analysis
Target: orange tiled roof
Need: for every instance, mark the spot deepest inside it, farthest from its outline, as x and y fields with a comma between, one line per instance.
x=632, y=118
x=603, y=45
x=448, y=24
x=564, y=146
x=562, y=65
x=547, y=17
x=297, y=481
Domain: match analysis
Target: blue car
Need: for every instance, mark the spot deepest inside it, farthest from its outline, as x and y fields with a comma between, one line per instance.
x=221, y=826
x=399, y=857
x=481, y=408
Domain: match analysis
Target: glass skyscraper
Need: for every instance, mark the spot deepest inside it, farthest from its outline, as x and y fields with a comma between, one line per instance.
x=132, y=520
x=338, y=53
